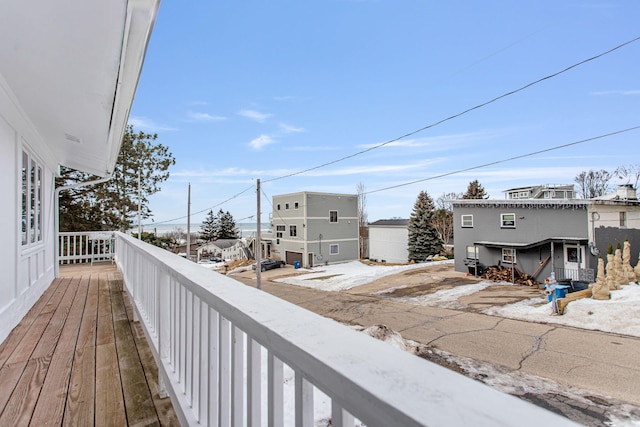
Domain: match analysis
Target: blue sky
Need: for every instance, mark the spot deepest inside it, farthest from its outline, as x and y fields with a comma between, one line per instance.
x=241, y=90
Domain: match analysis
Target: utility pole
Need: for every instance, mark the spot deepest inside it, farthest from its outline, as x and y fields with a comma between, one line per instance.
x=189, y=222
x=258, y=240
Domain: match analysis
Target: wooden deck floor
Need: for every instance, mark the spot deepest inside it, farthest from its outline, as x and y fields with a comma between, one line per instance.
x=78, y=359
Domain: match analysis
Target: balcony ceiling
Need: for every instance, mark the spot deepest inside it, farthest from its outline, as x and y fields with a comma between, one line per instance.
x=72, y=67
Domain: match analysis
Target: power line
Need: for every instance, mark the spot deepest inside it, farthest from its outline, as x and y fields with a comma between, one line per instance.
x=203, y=210
x=522, y=156
x=468, y=110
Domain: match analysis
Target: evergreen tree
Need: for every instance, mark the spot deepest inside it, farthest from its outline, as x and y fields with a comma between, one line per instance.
x=424, y=240
x=209, y=228
x=227, y=228
x=475, y=190
x=114, y=204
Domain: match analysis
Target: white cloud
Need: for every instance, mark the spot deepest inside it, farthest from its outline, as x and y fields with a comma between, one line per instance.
x=285, y=128
x=618, y=92
x=437, y=142
x=261, y=141
x=254, y=115
x=204, y=117
x=148, y=125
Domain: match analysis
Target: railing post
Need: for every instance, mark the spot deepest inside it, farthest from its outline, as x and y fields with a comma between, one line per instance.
x=163, y=309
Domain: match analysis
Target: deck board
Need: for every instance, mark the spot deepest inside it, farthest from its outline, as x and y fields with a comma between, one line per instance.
x=79, y=359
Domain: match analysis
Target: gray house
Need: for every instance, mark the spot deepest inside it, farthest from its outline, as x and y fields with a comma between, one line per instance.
x=314, y=228
x=540, y=236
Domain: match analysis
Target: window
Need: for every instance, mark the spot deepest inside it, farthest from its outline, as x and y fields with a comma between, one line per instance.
x=467, y=221
x=286, y=206
x=334, y=249
x=296, y=205
x=278, y=206
x=472, y=252
x=508, y=220
x=623, y=219
x=31, y=200
x=280, y=228
x=333, y=216
x=509, y=256
x=293, y=230
x=278, y=235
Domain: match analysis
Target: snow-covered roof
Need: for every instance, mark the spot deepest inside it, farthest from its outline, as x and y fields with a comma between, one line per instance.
x=390, y=223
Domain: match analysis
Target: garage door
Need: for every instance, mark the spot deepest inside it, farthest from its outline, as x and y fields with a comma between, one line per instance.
x=290, y=257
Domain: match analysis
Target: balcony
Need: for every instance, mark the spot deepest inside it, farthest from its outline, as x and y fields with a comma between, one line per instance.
x=227, y=355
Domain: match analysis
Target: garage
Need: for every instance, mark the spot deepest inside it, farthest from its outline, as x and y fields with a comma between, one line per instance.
x=290, y=257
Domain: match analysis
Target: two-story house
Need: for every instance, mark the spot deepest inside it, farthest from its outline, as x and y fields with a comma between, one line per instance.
x=541, y=236
x=314, y=228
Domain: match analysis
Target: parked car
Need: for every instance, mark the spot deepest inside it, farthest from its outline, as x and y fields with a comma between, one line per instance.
x=268, y=264
x=216, y=259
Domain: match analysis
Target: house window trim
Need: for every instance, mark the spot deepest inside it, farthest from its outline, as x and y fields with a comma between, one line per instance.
x=31, y=208
x=286, y=206
x=473, y=250
x=293, y=231
x=509, y=256
x=502, y=220
x=331, y=221
x=623, y=219
x=337, y=249
x=296, y=205
x=462, y=221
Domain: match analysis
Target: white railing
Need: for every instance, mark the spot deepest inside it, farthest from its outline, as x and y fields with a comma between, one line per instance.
x=83, y=247
x=223, y=349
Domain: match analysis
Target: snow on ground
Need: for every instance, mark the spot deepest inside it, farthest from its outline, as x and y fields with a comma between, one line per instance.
x=340, y=277
x=620, y=314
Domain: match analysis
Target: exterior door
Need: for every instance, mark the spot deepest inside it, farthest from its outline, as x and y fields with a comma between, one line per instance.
x=573, y=261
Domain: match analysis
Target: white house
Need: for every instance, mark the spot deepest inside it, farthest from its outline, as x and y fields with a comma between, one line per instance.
x=68, y=74
x=389, y=240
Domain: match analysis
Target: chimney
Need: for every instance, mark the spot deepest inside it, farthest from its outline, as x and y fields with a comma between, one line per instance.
x=626, y=192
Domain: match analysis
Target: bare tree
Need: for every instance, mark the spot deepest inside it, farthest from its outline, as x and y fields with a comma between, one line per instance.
x=362, y=218
x=442, y=219
x=631, y=173
x=593, y=183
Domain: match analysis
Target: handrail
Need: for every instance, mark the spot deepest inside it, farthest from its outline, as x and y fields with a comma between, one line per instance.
x=85, y=247
x=210, y=335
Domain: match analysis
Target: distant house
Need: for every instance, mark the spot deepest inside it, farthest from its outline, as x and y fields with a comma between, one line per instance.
x=389, y=240
x=228, y=249
x=314, y=228
x=546, y=191
x=563, y=236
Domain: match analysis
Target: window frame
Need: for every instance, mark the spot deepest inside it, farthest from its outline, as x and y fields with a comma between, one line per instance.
x=293, y=231
x=286, y=206
x=281, y=228
x=504, y=223
x=32, y=202
x=333, y=219
x=296, y=205
x=462, y=221
x=337, y=249
x=509, y=256
x=623, y=219
x=472, y=250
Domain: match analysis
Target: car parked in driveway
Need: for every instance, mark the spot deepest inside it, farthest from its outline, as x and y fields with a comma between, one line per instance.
x=268, y=264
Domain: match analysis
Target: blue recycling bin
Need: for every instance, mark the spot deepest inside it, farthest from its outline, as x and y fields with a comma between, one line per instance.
x=296, y=264
x=561, y=292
